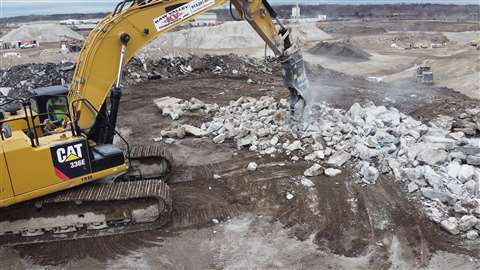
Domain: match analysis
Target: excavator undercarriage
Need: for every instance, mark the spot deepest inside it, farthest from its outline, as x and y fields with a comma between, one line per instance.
x=88, y=211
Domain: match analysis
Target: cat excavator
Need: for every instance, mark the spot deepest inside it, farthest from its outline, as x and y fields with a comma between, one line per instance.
x=56, y=144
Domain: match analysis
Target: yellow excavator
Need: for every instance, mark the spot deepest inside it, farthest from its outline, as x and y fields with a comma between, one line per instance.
x=56, y=142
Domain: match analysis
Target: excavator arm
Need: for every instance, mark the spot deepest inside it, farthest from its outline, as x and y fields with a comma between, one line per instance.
x=135, y=23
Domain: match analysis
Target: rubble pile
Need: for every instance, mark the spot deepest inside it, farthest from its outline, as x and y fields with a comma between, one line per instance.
x=141, y=69
x=22, y=78
x=438, y=161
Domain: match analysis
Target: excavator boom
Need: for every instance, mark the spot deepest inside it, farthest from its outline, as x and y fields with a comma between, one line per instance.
x=134, y=24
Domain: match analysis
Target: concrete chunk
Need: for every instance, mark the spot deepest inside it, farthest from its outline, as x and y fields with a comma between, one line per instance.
x=450, y=225
x=467, y=222
x=473, y=160
x=472, y=235
x=412, y=187
x=194, y=131
x=332, y=172
x=314, y=170
x=466, y=173
x=432, y=156
x=219, y=138
x=307, y=182
x=339, y=158
x=252, y=166
x=441, y=196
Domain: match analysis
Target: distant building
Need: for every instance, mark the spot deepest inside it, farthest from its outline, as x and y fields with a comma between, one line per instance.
x=322, y=17
x=79, y=22
x=206, y=19
x=295, y=12
x=69, y=22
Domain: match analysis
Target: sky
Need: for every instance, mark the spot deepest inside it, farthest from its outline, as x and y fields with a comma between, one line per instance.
x=10, y=8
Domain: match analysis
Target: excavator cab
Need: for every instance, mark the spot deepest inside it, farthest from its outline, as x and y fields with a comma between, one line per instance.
x=50, y=103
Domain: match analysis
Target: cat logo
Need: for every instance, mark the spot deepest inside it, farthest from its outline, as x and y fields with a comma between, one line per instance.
x=71, y=160
x=69, y=153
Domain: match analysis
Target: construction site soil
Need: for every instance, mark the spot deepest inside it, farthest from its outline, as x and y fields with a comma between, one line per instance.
x=243, y=219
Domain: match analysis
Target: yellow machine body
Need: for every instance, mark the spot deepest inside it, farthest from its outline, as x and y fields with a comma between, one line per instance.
x=29, y=172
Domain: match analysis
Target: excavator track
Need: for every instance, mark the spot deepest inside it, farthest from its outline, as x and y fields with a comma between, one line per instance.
x=148, y=161
x=88, y=211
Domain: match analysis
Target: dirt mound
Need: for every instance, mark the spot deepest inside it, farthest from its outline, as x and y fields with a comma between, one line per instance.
x=338, y=49
x=405, y=39
x=353, y=30
x=308, y=32
x=230, y=35
x=224, y=36
x=41, y=32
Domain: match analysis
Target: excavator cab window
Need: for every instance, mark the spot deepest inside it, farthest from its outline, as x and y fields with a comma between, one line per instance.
x=50, y=103
x=56, y=109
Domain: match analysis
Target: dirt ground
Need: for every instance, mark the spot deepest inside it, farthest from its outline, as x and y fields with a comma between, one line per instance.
x=334, y=225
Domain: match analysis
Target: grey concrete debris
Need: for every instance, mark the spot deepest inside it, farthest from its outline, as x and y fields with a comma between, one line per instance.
x=252, y=166
x=332, y=172
x=472, y=235
x=194, y=131
x=169, y=106
x=319, y=154
x=307, y=182
x=441, y=196
x=314, y=170
x=473, y=160
x=450, y=225
x=432, y=156
x=467, y=172
x=219, y=138
x=5, y=90
x=339, y=158
x=247, y=140
x=412, y=187
x=369, y=173
x=436, y=160
x=467, y=222
x=296, y=145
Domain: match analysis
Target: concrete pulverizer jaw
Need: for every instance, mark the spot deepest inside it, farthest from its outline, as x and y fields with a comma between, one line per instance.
x=295, y=79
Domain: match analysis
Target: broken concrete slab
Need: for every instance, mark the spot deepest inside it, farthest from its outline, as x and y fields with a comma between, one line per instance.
x=332, y=172
x=252, y=166
x=441, y=196
x=247, y=140
x=450, y=225
x=473, y=160
x=219, y=138
x=432, y=156
x=307, y=182
x=412, y=187
x=194, y=131
x=319, y=154
x=467, y=172
x=472, y=235
x=296, y=145
x=467, y=222
x=314, y=170
x=339, y=158
x=369, y=173
x=365, y=153
x=5, y=90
